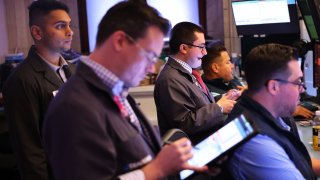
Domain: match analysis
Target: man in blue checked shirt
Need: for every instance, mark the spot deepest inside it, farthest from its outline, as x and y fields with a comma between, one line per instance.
x=93, y=128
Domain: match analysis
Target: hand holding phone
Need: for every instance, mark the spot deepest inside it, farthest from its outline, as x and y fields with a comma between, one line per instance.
x=233, y=94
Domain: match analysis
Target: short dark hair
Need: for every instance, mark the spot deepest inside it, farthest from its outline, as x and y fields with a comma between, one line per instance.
x=183, y=32
x=131, y=17
x=213, y=52
x=39, y=9
x=268, y=61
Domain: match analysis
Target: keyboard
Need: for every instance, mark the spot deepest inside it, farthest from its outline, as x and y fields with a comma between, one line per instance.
x=311, y=106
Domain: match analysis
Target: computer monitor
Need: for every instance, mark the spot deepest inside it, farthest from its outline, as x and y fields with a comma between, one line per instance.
x=310, y=13
x=256, y=17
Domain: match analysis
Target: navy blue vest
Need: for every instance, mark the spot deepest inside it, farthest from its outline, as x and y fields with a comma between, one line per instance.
x=269, y=126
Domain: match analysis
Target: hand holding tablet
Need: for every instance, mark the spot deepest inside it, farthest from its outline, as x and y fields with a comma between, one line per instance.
x=218, y=144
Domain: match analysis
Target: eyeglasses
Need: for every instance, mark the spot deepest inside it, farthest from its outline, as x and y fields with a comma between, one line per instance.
x=152, y=57
x=301, y=85
x=200, y=47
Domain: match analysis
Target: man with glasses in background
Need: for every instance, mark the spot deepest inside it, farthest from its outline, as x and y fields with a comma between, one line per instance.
x=182, y=99
x=274, y=81
x=218, y=76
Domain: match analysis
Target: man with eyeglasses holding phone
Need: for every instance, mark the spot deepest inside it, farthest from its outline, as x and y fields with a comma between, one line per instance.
x=274, y=81
x=182, y=99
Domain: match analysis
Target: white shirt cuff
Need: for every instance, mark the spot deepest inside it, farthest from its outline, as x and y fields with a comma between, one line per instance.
x=137, y=174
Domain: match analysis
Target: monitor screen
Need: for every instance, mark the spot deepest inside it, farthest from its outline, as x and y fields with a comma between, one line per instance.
x=265, y=17
x=310, y=13
x=260, y=12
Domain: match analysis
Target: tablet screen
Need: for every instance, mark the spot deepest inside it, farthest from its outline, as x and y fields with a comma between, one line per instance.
x=219, y=142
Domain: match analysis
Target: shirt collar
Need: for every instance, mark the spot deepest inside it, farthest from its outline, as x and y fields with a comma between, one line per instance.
x=109, y=79
x=183, y=64
x=62, y=62
x=283, y=124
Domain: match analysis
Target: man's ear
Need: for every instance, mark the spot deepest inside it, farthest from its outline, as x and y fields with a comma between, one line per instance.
x=36, y=32
x=183, y=48
x=215, y=67
x=273, y=87
x=118, y=39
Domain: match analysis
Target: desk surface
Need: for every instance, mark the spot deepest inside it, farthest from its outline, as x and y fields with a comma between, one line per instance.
x=306, y=137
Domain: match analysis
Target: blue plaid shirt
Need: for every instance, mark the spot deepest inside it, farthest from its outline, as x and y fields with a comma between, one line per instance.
x=111, y=81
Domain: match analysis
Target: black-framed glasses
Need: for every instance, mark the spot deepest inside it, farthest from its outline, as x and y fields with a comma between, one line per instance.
x=301, y=84
x=203, y=47
x=152, y=57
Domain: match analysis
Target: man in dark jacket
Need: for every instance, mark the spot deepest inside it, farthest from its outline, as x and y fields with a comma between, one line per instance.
x=218, y=76
x=33, y=84
x=93, y=128
x=182, y=100
x=218, y=72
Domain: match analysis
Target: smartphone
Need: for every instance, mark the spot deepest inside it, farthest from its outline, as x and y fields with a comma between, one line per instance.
x=218, y=144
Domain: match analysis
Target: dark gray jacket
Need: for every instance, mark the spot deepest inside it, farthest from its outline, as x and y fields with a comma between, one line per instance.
x=86, y=137
x=182, y=104
x=27, y=94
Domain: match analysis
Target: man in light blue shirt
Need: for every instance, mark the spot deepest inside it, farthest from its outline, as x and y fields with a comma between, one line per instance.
x=274, y=82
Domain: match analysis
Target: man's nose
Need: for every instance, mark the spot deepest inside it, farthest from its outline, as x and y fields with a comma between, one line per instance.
x=69, y=31
x=204, y=51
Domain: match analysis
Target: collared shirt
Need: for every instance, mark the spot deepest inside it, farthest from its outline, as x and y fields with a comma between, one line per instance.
x=255, y=166
x=111, y=81
x=247, y=162
x=189, y=69
x=57, y=69
x=184, y=65
x=262, y=157
x=283, y=124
